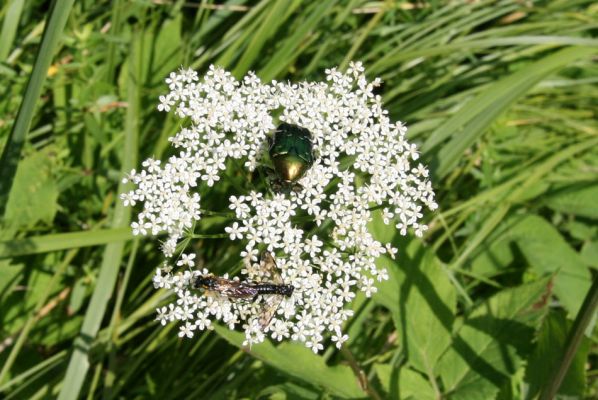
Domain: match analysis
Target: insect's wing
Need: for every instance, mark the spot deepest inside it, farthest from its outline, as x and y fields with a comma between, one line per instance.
x=271, y=303
x=234, y=289
x=268, y=310
x=269, y=265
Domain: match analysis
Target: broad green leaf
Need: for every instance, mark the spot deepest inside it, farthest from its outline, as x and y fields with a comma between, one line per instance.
x=428, y=301
x=409, y=383
x=589, y=253
x=546, y=252
x=492, y=342
x=388, y=291
x=33, y=198
x=300, y=362
x=579, y=200
x=422, y=301
x=382, y=232
x=549, y=349
x=288, y=390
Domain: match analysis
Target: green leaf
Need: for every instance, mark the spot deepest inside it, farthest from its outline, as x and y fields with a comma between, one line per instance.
x=34, y=194
x=549, y=350
x=409, y=383
x=579, y=200
x=546, y=251
x=428, y=301
x=589, y=253
x=492, y=342
x=422, y=301
x=298, y=361
x=388, y=291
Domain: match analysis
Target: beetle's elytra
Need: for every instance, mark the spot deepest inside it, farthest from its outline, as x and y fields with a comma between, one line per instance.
x=291, y=152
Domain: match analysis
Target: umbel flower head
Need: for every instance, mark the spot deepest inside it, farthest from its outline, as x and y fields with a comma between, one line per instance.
x=318, y=234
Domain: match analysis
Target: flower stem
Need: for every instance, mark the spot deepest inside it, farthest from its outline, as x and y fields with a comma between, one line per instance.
x=359, y=374
x=209, y=236
x=572, y=344
x=217, y=214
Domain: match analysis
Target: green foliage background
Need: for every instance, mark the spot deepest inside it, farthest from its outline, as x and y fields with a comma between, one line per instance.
x=501, y=97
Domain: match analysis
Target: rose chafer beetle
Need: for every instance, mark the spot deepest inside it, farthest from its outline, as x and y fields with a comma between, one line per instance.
x=291, y=152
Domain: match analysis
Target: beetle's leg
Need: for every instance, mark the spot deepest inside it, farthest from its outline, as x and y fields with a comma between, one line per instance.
x=270, y=141
x=297, y=188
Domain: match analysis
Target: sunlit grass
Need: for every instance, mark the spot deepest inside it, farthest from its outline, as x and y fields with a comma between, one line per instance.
x=500, y=96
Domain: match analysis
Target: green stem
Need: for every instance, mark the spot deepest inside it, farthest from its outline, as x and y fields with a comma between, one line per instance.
x=585, y=315
x=360, y=374
x=209, y=236
x=217, y=214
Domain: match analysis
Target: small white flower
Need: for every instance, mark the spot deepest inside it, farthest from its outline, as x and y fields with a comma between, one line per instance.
x=187, y=330
x=163, y=315
x=318, y=234
x=235, y=232
x=187, y=259
x=339, y=339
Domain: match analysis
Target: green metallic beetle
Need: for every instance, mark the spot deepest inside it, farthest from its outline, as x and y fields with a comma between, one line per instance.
x=291, y=152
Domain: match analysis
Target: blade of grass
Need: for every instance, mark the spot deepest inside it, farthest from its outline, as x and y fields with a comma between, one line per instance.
x=266, y=30
x=364, y=33
x=39, y=368
x=288, y=52
x=116, y=319
x=12, y=150
x=62, y=241
x=463, y=45
x=473, y=119
x=9, y=27
x=111, y=260
x=35, y=315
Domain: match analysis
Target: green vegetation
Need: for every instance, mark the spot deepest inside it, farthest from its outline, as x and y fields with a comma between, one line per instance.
x=501, y=97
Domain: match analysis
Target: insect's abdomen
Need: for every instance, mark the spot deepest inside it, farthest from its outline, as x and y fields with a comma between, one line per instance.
x=268, y=288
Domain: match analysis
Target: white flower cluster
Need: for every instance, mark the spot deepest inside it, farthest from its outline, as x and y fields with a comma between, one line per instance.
x=319, y=234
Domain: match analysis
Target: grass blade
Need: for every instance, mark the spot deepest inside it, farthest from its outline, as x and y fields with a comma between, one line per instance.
x=79, y=362
x=62, y=241
x=472, y=121
x=12, y=150
x=9, y=27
